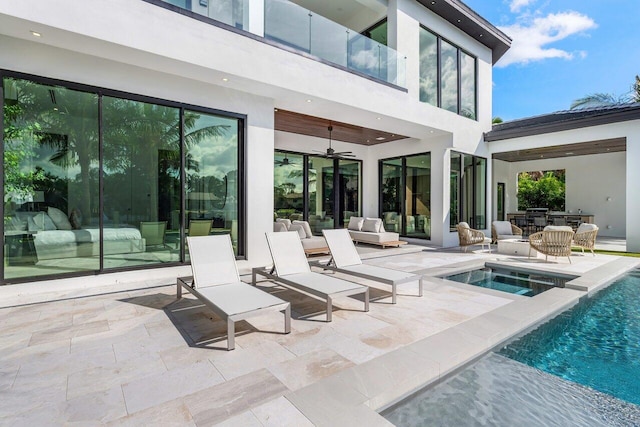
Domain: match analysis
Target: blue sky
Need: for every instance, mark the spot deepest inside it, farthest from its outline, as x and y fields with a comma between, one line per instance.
x=562, y=50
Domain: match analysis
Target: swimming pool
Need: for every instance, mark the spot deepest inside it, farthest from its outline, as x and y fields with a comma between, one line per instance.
x=595, y=343
x=580, y=368
x=527, y=283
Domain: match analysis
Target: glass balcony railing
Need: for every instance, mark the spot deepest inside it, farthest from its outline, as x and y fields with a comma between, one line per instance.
x=297, y=27
x=294, y=26
x=230, y=12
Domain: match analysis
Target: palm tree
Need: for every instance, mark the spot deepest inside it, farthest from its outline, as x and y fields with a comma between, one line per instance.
x=608, y=99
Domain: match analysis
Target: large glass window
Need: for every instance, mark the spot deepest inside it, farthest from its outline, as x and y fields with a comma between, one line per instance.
x=211, y=172
x=93, y=181
x=468, y=190
x=51, y=207
x=288, y=185
x=428, y=67
x=447, y=75
x=406, y=195
x=321, y=195
x=349, y=190
x=141, y=168
x=467, y=85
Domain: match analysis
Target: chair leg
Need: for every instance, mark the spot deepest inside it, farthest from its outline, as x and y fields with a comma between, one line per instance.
x=366, y=299
x=231, y=334
x=179, y=290
x=287, y=319
x=329, y=308
x=393, y=293
x=420, y=287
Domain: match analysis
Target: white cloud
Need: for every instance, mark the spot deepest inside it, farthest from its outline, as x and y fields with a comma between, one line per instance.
x=531, y=37
x=516, y=5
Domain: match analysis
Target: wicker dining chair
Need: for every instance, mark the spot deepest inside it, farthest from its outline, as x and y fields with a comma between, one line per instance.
x=585, y=237
x=554, y=241
x=468, y=237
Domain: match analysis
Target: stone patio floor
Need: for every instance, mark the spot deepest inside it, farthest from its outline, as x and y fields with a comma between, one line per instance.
x=141, y=357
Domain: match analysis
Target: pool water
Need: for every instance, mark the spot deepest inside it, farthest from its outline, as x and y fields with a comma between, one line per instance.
x=514, y=282
x=595, y=343
x=580, y=368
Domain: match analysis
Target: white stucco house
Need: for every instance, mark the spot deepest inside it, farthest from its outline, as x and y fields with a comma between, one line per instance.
x=130, y=125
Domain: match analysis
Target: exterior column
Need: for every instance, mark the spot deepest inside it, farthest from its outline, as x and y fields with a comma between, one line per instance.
x=633, y=196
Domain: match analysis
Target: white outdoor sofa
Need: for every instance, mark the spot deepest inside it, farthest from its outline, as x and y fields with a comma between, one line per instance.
x=371, y=231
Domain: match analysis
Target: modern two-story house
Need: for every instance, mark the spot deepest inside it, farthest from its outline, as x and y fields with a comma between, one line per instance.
x=130, y=125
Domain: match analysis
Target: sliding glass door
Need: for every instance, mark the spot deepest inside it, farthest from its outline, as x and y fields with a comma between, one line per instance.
x=405, y=195
x=332, y=194
x=468, y=190
x=96, y=180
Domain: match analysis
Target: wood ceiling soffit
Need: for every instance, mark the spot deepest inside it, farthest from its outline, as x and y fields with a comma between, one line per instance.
x=302, y=124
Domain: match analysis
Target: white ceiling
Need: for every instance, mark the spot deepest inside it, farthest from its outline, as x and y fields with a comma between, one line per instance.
x=350, y=13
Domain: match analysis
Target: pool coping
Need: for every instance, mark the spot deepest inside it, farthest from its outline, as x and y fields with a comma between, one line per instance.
x=356, y=395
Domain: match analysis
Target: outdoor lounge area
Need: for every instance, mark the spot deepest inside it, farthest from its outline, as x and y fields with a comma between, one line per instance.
x=140, y=356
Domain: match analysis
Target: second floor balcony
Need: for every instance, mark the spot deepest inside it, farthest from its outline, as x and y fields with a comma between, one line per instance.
x=302, y=30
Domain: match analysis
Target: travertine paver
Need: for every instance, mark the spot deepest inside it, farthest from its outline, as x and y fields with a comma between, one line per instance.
x=138, y=357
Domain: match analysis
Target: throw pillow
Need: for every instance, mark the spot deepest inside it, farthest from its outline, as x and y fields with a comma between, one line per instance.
x=379, y=222
x=59, y=218
x=44, y=222
x=584, y=227
x=299, y=229
x=355, y=223
x=502, y=228
x=371, y=225
x=279, y=227
x=306, y=226
x=285, y=221
x=76, y=219
x=32, y=226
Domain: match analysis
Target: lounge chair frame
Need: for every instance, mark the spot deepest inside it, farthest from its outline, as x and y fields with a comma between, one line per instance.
x=227, y=281
x=294, y=280
x=333, y=265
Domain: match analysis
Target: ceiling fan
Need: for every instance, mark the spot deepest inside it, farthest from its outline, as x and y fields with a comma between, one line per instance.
x=333, y=154
x=284, y=162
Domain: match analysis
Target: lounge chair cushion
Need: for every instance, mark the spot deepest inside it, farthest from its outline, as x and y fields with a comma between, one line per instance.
x=306, y=226
x=314, y=242
x=355, y=223
x=584, y=227
x=371, y=225
x=299, y=229
x=558, y=228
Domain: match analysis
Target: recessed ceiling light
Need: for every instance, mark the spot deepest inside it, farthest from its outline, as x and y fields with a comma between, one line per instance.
x=430, y=131
x=433, y=2
x=380, y=138
x=568, y=154
x=367, y=140
x=459, y=20
x=308, y=100
x=541, y=155
x=392, y=135
x=378, y=118
x=481, y=35
x=224, y=79
x=275, y=109
x=36, y=34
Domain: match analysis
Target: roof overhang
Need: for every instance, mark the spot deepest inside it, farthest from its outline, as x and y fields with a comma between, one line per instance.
x=603, y=146
x=462, y=16
x=562, y=121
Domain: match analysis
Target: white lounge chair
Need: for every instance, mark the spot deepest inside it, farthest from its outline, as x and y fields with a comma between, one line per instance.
x=292, y=271
x=217, y=284
x=345, y=259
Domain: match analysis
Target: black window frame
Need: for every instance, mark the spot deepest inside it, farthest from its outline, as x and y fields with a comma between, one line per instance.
x=473, y=212
x=181, y=106
x=459, y=52
x=403, y=188
x=336, y=183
